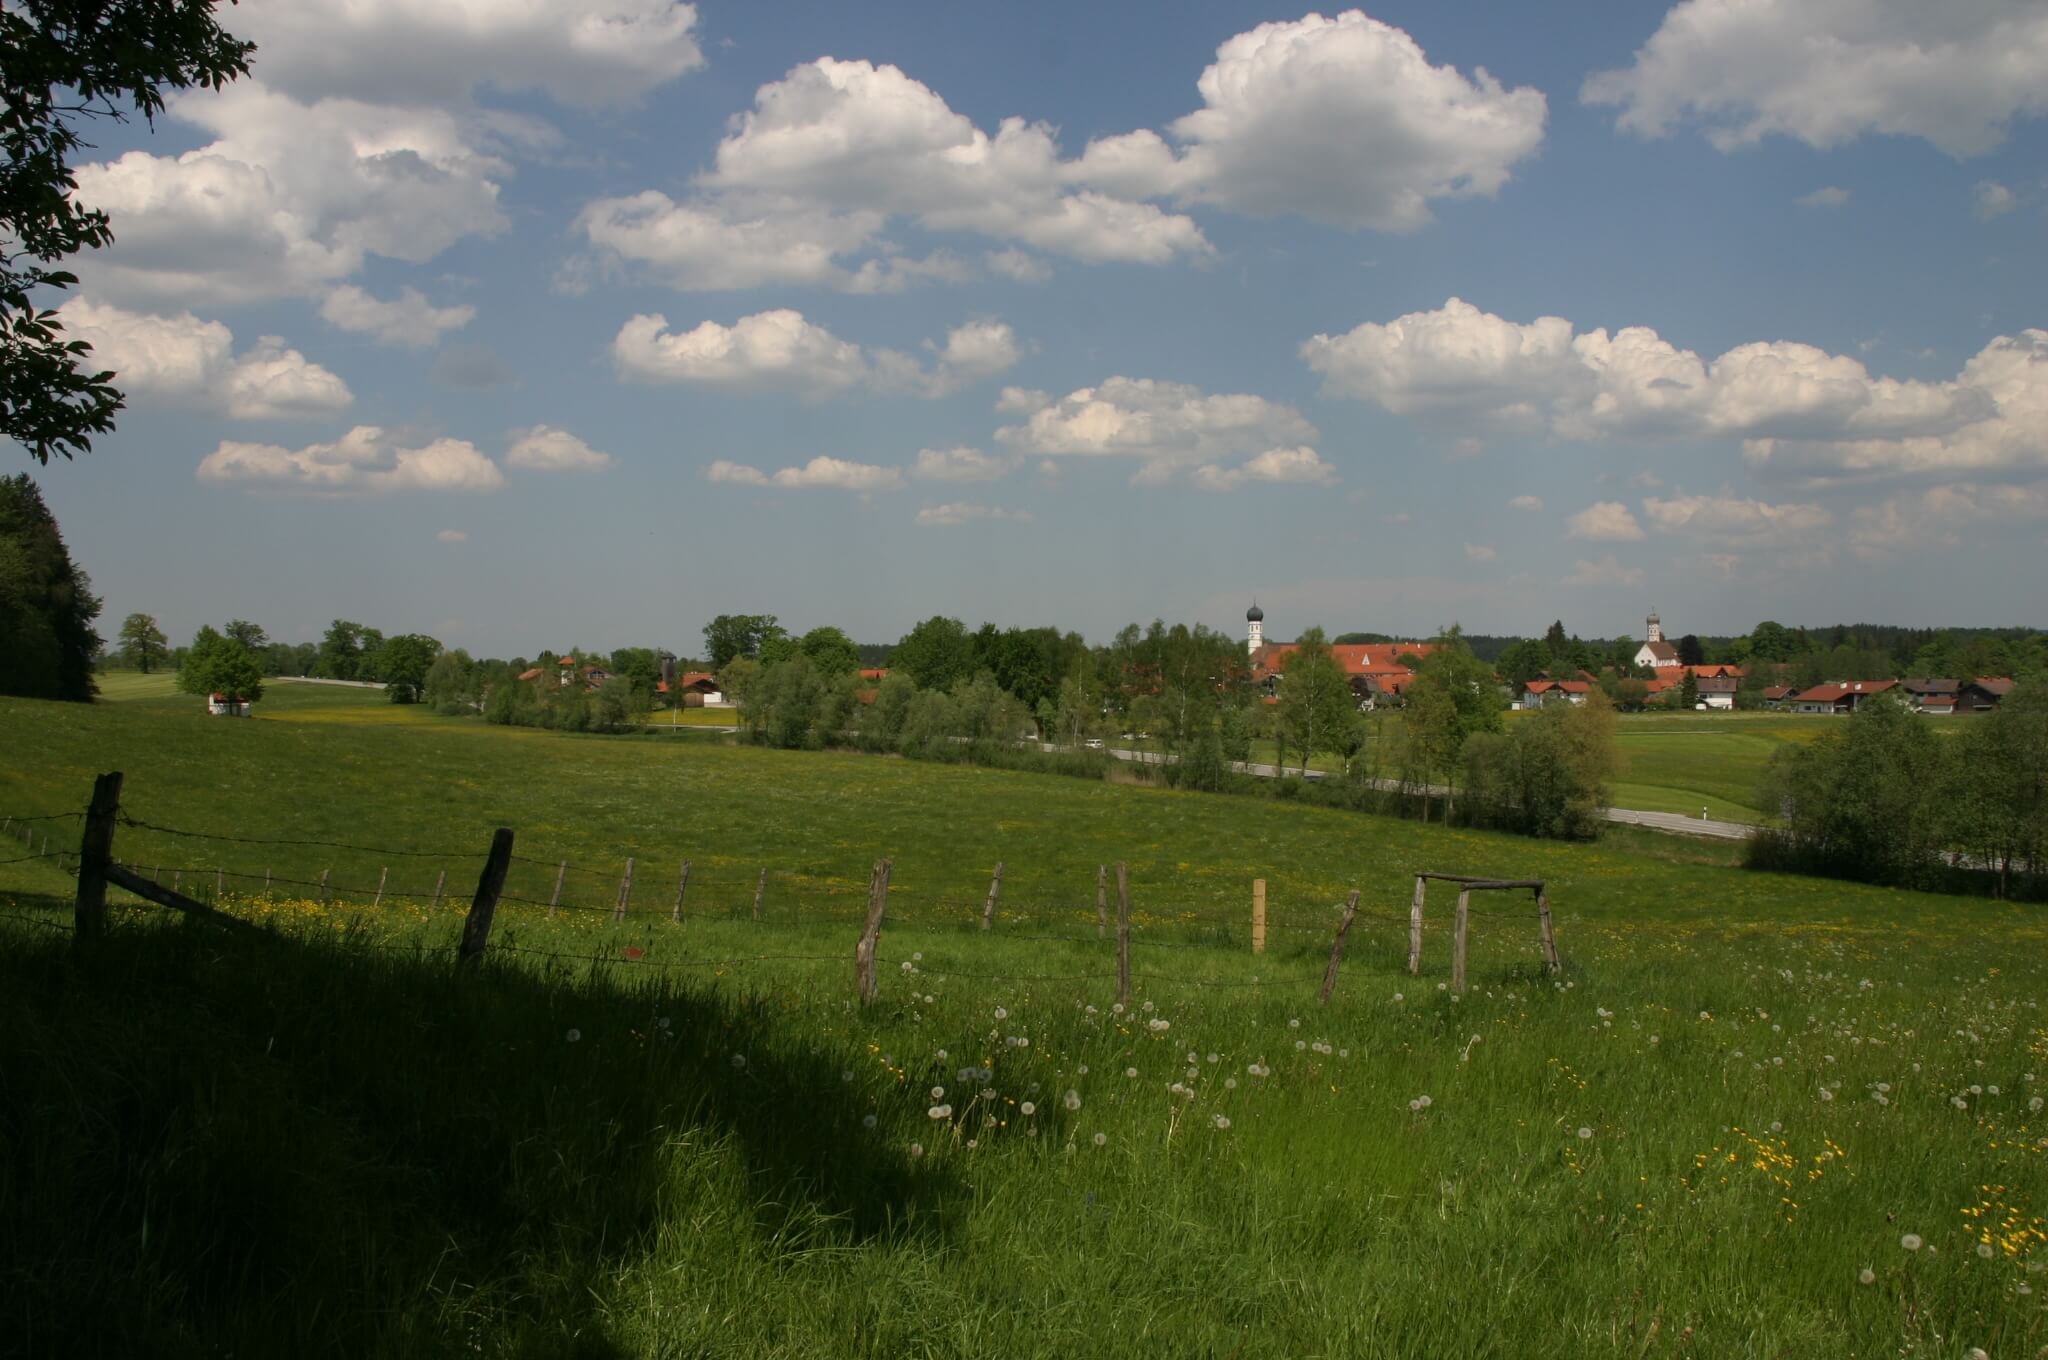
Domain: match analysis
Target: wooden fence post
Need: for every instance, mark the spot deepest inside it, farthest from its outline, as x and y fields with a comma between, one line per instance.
x=871, y=933
x=1415, y=927
x=1258, y=916
x=995, y=893
x=323, y=883
x=1123, y=934
x=1337, y=948
x=266, y=880
x=177, y=879
x=219, y=883
x=625, y=894
x=682, y=886
x=95, y=848
x=440, y=882
x=1460, y=932
x=561, y=872
x=1548, y=935
x=1101, y=899
x=383, y=876
x=476, y=929
x=760, y=887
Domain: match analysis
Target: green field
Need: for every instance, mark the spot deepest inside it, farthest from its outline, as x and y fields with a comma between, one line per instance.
x=686, y=1139
x=1685, y=761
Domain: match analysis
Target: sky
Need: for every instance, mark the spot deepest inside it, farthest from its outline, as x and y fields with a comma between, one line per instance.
x=548, y=323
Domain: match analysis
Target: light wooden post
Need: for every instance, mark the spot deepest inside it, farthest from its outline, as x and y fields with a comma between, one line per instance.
x=177, y=879
x=476, y=929
x=383, y=875
x=1123, y=934
x=1549, y=936
x=561, y=872
x=995, y=894
x=1459, y=935
x=219, y=883
x=1415, y=928
x=682, y=886
x=1101, y=899
x=865, y=983
x=440, y=882
x=1337, y=948
x=760, y=887
x=95, y=849
x=625, y=894
x=266, y=880
x=323, y=884
x=1258, y=916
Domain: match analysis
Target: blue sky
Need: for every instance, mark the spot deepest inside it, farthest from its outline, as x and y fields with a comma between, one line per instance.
x=534, y=324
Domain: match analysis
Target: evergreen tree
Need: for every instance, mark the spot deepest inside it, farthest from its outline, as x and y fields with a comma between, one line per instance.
x=46, y=604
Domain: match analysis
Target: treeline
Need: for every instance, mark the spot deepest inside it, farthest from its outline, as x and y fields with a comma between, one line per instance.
x=1188, y=694
x=1890, y=797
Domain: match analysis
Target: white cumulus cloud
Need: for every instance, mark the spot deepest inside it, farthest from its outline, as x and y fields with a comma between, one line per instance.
x=1274, y=465
x=967, y=512
x=451, y=536
x=1525, y=503
x=365, y=460
x=192, y=361
x=408, y=319
x=1605, y=522
x=1828, y=71
x=1738, y=520
x=821, y=473
x=1480, y=552
x=781, y=350
x=1943, y=516
x=546, y=449
x=1827, y=196
x=1993, y=199
x=959, y=464
x=1165, y=425
x=1795, y=407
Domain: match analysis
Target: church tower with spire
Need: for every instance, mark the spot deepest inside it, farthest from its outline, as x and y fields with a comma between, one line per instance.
x=1255, y=629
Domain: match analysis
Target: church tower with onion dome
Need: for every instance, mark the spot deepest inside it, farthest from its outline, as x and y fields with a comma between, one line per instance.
x=1255, y=626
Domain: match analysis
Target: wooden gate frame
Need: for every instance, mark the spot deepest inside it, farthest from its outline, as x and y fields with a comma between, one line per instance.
x=1467, y=885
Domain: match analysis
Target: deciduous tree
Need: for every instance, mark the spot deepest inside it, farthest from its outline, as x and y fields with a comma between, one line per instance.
x=61, y=61
x=143, y=643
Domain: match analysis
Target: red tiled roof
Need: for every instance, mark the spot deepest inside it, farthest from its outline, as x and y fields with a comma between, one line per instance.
x=1994, y=684
x=1836, y=690
x=533, y=674
x=1663, y=651
x=1357, y=659
x=875, y=673
x=1777, y=691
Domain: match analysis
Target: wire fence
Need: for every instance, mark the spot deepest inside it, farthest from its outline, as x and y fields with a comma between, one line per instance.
x=216, y=870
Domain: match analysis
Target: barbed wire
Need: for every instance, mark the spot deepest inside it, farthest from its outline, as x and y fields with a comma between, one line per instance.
x=40, y=854
x=140, y=825
x=40, y=816
x=62, y=927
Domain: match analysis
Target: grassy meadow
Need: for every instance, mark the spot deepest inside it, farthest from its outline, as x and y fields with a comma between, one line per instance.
x=1755, y=1115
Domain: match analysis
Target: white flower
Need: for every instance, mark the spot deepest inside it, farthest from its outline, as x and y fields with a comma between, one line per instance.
x=1230, y=1083
x=1984, y=1250
x=918, y=956
x=1585, y=1132
x=938, y=1092
x=1294, y=1024
x=1222, y=1121
x=573, y=1035
x=1159, y=1026
x=1117, y=1008
x=909, y=967
x=1300, y=1044
x=1911, y=1242
x=1397, y=996
x=1130, y=1071
x=1148, y=1008
x=940, y=1112
x=1002, y=1014
x=1213, y=1057
x=1027, y=1109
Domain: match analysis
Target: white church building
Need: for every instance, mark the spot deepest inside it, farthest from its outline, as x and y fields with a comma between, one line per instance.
x=1655, y=652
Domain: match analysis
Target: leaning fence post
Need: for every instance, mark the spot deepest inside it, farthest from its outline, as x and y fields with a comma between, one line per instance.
x=1549, y=935
x=995, y=894
x=323, y=883
x=561, y=872
x=871, y=933
x=1258, y=916
x=382, y=875
x=1337, y=948
x=1415, y=927
x=625, y=893
x=1123, y=935
x=95, y=848
x=440, y=882
x=682, y=886
x=1101, y=898
x=476, y=930
x=1458, y=939
x=760, y=887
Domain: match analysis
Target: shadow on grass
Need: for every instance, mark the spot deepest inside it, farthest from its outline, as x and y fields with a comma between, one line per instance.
x=285, y=1146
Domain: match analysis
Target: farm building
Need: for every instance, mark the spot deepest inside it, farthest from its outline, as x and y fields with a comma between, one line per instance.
x=228, y=706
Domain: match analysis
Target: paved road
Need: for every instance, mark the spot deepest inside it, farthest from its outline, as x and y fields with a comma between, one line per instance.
x=1673, y=822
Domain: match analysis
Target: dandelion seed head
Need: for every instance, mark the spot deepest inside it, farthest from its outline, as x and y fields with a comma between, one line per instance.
x=1101, y=1140
x=1911, y=1242
x=739, y=1060
x=1866, y=1276
x=938, y=1092
x=573, y=1035
x=1984, y=1250
x=1027, y=1108
x=1585, y=1132
x=1130, y=1071
x=867, y=1121
x=940, y=1112
x=917, y=1149
x=1222, y=1121
x=1072, y=1099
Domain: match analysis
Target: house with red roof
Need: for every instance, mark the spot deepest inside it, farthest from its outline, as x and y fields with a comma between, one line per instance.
x=1379, y=672
x=1839, y=696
